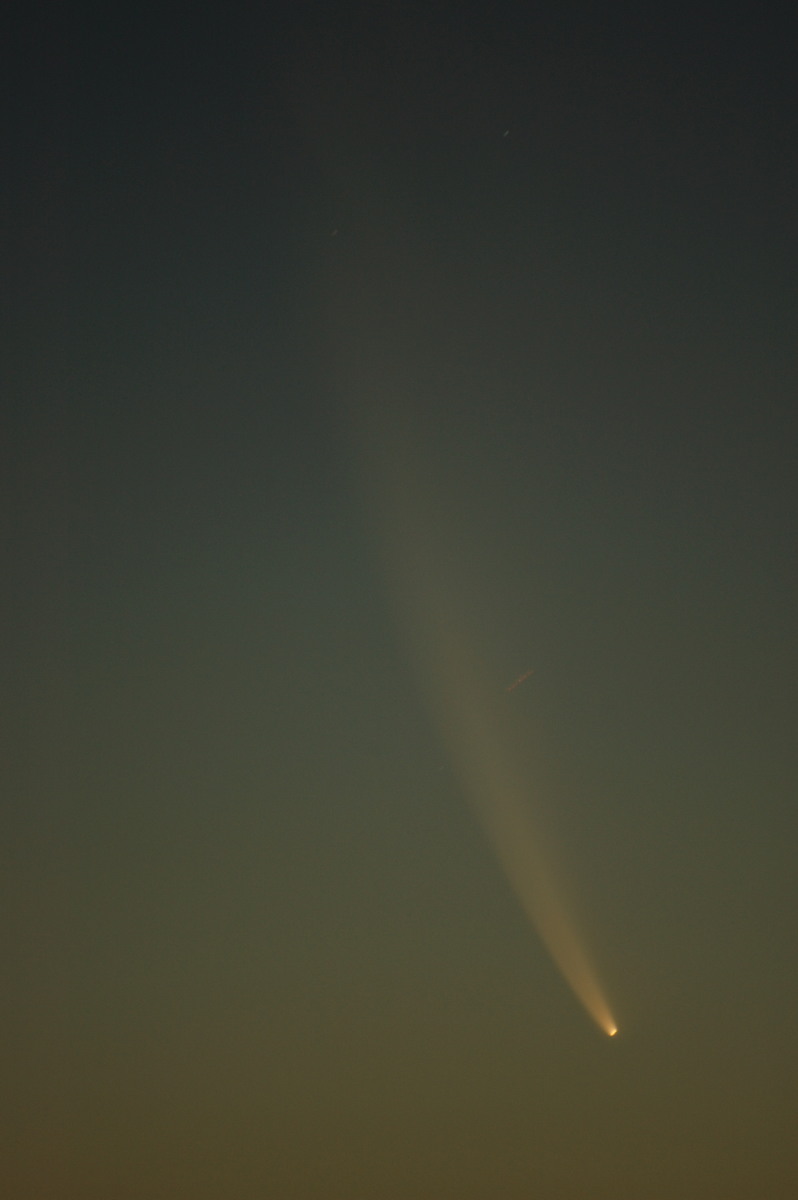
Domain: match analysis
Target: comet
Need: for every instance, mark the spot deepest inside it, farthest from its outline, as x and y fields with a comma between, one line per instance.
x=488, y=759
x=418, y=529
x=499, y=797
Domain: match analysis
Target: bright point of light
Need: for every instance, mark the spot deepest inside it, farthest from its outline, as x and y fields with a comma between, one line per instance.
x=612, y=1032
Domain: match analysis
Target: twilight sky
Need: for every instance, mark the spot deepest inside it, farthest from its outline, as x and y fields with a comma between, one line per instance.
x=355, y=365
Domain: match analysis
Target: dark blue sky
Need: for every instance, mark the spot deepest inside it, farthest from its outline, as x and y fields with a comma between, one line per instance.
x=354, y=365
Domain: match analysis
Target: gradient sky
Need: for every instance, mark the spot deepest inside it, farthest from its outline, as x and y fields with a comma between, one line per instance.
x=354, y=366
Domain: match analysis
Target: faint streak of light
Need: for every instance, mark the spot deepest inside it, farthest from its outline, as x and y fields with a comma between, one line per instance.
x=520, y=680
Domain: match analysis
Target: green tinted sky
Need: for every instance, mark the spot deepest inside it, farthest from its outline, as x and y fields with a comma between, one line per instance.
x=529, y=279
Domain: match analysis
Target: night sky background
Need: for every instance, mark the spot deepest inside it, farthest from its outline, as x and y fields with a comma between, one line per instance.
x=254, y=942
